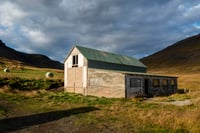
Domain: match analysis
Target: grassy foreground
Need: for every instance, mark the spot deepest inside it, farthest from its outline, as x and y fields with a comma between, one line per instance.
x=39, y=110
x=109, y=115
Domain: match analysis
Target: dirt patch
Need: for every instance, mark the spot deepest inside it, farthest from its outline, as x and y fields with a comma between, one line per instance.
x=175, y=102
x=182, y=103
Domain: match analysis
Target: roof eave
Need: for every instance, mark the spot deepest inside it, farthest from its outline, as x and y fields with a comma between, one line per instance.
x=69, y=53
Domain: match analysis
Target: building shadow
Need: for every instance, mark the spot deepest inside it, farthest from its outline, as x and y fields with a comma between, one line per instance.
x=16, y=123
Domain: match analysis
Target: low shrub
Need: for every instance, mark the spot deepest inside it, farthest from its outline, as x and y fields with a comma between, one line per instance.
x=4, y=81
x=2, y=110
x=30, y=84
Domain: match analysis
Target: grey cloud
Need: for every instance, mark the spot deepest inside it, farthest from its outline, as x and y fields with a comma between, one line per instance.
x=133, y=28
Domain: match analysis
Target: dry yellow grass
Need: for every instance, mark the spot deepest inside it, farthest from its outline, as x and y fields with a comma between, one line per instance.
x=188, y=79
x=119, y=115
x=18, y=69
x=184, y=118
x=136, y=115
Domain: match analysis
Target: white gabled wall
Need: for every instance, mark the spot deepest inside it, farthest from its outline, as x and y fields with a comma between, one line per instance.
x=82, y=64
x=68, y=62
x=80, y=60
x=65, y=73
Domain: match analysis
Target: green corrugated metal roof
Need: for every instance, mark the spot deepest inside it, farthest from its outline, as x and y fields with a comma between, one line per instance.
x=97, y=55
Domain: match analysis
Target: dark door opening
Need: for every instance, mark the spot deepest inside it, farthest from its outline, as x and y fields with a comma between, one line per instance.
x=146, y=87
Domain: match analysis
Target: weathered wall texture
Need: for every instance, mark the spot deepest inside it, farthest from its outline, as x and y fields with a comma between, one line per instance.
x=134, y=91
x=147, y=87
x=105, y=83
x=75, y=80
x=162, y=90
x=75, y=77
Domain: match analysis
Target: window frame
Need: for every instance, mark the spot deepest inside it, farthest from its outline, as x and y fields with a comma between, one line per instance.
x=157, y=84
x=75, y=61
x=135, y=82
x=165, y=82
x=172, y=82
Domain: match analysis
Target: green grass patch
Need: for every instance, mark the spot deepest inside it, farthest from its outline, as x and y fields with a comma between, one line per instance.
x=113, y=115
x=13, y=98
x=30, y=84
x=2, y=110
x=79, y=99
x=32, y=73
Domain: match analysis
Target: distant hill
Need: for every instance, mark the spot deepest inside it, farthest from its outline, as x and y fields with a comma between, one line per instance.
x=35, y=60
x=183, y=55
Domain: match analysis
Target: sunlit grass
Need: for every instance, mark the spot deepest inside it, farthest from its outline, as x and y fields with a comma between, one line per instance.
x=188, y=79
x=32, y=73
x=114, y=115
x=124, y=115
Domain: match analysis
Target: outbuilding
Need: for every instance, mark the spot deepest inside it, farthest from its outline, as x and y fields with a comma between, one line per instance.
x=104, y=74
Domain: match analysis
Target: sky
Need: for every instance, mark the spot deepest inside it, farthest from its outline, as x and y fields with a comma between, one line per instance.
x=135, y=28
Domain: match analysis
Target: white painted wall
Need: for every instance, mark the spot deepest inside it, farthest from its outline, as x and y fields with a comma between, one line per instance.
x=80, y=60
x=65, y=74
x=81, y=63
x=69, y=62
x=85, y=76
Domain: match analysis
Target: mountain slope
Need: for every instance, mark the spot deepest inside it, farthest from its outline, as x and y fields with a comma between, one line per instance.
x=184, y=55
x=36, y=60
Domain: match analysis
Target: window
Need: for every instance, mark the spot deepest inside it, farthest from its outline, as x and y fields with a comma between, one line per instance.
x=156, y=83
x=75, y=61
x=164, y=82
x=135, y=82
x=172, y=82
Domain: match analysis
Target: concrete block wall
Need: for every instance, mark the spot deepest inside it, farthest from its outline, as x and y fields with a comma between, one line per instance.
x=105, y=83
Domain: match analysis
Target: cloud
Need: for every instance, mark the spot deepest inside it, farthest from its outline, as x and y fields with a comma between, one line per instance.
x=10, y=14
x=133, y=28
x=36, y=36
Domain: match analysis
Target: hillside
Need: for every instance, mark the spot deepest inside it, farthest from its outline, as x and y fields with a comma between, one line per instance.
x=183, y=55
x=9, y=55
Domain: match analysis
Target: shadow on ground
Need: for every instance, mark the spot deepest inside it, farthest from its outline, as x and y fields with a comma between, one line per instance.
x=16, y=123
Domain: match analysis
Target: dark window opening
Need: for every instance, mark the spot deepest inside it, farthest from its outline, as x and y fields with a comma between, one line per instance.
x=164, y=83
x=135, y=82
x=173, y=82
x=156, y=83
x=146, y=86
x=75, y=61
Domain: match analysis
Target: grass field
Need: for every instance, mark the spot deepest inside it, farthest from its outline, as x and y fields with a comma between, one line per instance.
x=107, y=115
x=47, y=111
x=31, y=73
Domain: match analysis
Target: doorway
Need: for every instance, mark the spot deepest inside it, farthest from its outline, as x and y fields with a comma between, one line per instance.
x=146, y=87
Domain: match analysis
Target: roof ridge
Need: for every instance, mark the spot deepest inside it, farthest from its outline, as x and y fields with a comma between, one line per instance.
x=105, y=51
x=104, y=56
